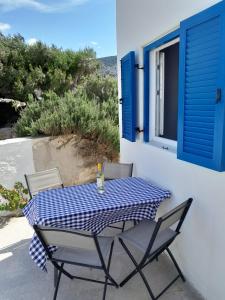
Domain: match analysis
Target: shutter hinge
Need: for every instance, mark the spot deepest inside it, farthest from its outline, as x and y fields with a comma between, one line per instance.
x=121, y=100
x=138, y=130
x=139, y=67
x=165, y=148
x=158, y=67
x=218, y=95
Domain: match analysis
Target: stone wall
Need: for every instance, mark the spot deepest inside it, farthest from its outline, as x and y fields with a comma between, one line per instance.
x=76, y=158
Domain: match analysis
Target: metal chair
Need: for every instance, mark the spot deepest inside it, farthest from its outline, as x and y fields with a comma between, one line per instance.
x=44, y=180
x=152, y=239
x=115, y=171
x=76, y=247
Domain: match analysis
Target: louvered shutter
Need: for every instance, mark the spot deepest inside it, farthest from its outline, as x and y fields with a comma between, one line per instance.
x=128, y=86
x=201, y=89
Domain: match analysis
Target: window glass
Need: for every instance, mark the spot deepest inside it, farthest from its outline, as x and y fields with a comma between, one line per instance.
x=167, y=92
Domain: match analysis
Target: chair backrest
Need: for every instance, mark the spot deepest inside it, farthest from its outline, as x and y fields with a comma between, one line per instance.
x=161, y=231
x=52, y=236
x=43, y=180
x=176, y=215
x=117, y=170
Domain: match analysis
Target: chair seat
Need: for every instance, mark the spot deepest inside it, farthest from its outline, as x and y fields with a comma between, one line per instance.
x=139, y=236
x=82, y=256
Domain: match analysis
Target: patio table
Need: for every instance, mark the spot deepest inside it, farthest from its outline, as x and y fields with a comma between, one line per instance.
x=82, y=207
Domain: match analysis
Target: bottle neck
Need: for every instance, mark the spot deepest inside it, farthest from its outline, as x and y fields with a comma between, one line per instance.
x=99, y=168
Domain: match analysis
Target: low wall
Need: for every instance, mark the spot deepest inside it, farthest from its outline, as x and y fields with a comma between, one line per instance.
x=16, y=159
x=76, y=158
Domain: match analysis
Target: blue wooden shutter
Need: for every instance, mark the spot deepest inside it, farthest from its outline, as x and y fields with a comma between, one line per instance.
x=128, y=86
x=201, y=89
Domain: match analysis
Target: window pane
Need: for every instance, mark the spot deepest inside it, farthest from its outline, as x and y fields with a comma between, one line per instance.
x=171, y=68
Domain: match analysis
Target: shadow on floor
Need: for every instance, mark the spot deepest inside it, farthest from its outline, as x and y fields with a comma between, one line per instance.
x=4, y=221
x=21, y=279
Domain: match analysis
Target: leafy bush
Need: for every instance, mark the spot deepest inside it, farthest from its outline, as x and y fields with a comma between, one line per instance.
x=63, y=91
x=16, y=198
x=90, y=113
x=38, y=68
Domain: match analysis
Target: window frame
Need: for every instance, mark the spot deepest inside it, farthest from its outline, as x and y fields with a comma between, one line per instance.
x=154, y=119
x=148, y=133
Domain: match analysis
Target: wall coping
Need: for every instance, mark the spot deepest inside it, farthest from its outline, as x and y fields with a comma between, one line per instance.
x=14, y=141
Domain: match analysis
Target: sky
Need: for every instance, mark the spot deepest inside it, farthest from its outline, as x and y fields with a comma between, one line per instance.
x=70, y=24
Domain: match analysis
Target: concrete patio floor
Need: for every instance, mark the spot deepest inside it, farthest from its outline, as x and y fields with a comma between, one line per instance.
x=21, y=279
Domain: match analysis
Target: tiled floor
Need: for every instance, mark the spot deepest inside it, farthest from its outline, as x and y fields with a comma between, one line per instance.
x=20, y=279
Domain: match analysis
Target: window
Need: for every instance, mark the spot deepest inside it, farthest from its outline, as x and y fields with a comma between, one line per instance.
x=201, y=104
x=167, y=66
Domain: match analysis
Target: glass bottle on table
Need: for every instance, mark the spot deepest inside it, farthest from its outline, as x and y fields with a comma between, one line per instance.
x=100, y=179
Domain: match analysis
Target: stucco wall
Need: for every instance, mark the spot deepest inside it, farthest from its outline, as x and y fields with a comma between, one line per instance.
x=201, y=247
x=16, y=159
x=76, y=158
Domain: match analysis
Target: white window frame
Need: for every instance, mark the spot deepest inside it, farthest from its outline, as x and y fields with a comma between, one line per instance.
x=156, y=124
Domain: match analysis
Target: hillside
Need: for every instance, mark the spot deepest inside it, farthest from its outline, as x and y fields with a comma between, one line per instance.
x=109, y=65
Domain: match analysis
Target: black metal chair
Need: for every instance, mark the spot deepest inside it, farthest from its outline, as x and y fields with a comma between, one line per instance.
x=153, y=238
x=115, y=171
x=79, y=248
x=43, y=180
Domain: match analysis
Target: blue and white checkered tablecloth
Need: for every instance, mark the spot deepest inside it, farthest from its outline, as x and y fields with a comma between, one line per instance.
x=82, y=207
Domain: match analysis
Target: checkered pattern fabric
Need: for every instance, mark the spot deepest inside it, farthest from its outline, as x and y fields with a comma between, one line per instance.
x=82, y=207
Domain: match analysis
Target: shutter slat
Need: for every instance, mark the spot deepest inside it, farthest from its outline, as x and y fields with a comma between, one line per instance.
x=198, y=107
x=201, y=77
x=200, y=83
x=190, y=96
x=200, y=119
x=198, y=55
x=205, y=49
x=199, y=125
x=200, y=58
x=197, y=135
x=192, y=67
x=194, y=40
x=197, y=101
x=201, y=64
x=204, y=42
x=210, y=24
x=200, y=152
x=199, y=72
x=202, y=142
x=201, y=89
x=128, y=83
x=199, y=113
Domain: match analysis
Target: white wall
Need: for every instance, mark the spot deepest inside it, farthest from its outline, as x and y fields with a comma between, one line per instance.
x=16, y=159
x=201, y=247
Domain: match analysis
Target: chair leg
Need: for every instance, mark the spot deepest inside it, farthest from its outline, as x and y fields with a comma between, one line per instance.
x=123, y=227
x=175, y=264
x=59, y=268
x=57, y=283
x=134, y=272
x=138, y=270
x=55, y=276
x=108, y=268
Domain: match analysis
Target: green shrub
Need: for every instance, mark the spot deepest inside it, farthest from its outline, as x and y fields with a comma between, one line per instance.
x=16, y=197
x=34, y=69
x=90, y=113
